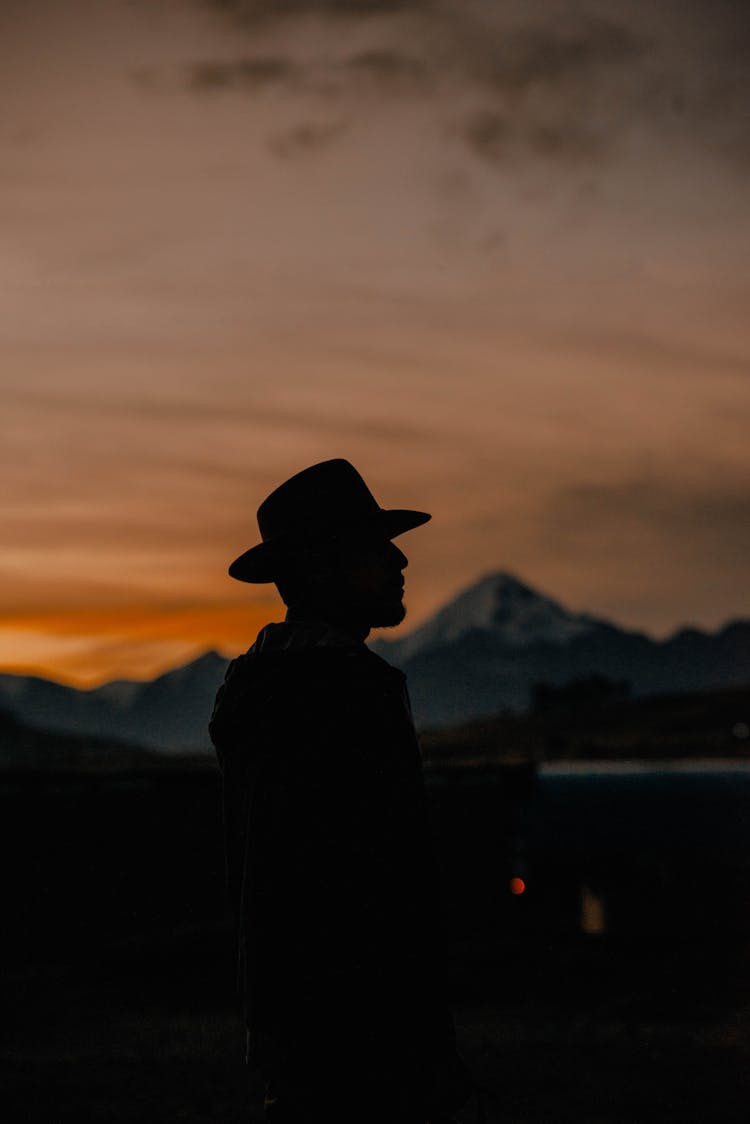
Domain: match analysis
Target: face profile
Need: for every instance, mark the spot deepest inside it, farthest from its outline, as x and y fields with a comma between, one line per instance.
x=369, y=580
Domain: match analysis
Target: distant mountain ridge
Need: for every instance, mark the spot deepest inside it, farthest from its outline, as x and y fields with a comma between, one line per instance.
x=170, y=712
x=483, y=652
x=479, y=654
x=499, y=603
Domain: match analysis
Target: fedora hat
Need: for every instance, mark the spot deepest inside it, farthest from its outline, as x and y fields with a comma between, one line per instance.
x=316, y=503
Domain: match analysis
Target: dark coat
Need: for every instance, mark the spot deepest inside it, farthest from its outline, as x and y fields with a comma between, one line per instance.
x=331, y=875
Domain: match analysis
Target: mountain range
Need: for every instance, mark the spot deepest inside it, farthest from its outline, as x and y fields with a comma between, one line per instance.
x=479, y=654
x=484, y=651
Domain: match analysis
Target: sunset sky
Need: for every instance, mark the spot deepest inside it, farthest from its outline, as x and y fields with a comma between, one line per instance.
x=496, y=254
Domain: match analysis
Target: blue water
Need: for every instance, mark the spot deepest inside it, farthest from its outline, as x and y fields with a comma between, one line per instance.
x=686, y=804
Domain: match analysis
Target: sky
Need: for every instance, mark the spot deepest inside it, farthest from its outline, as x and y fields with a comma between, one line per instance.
x=495, y=254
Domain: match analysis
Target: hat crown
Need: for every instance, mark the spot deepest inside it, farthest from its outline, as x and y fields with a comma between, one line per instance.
x=314, y=500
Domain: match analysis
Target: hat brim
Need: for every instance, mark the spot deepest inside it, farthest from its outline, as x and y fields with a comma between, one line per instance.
x=261, y=563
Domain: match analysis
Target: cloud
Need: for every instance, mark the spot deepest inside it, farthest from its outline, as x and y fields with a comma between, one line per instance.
x=556, y=94
x=561, y=84
x=306, y=139
x=86, y=646
x=648, y=550
x=710, y=520
x=521, y=57
x=389, y=70
x=252, y=74
x=541, y=87
x=252, y=12
x=159, y=409
x=381, y=70
x=498, y=137
x=198, y=622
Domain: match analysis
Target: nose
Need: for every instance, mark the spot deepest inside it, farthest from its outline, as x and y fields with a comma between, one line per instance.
x=399, y=556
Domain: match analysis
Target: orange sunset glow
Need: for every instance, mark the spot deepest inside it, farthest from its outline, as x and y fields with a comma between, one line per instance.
x=493, y=255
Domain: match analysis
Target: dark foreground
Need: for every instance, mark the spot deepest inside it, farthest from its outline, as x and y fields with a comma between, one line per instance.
x=118, y=1002
x=587, y=1032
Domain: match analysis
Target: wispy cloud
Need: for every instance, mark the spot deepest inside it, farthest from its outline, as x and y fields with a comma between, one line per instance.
x=85, y=645
x=253, y=74
x=562, y=85
x=388, y=69
x=656, y=520
x=250, y=13
x=307, y=138
x=381, y=71
x=500, y=138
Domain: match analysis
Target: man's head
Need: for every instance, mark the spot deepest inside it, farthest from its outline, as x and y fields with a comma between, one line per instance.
x=327, y=544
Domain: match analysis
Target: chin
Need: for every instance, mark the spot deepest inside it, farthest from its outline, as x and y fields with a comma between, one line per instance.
x=388, y=616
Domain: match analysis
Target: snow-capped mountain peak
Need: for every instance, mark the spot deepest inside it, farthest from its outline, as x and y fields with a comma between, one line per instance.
x=500, y=604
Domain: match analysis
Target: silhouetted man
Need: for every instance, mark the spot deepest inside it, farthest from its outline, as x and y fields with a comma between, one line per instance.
x=329, y=862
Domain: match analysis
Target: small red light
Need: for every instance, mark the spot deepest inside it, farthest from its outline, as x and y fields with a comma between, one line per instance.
x=517, y=885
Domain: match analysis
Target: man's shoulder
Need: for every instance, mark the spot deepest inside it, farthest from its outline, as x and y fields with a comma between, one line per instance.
x=336, y=672
x=259, y=680
x=321, y=691
x=330, y=696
